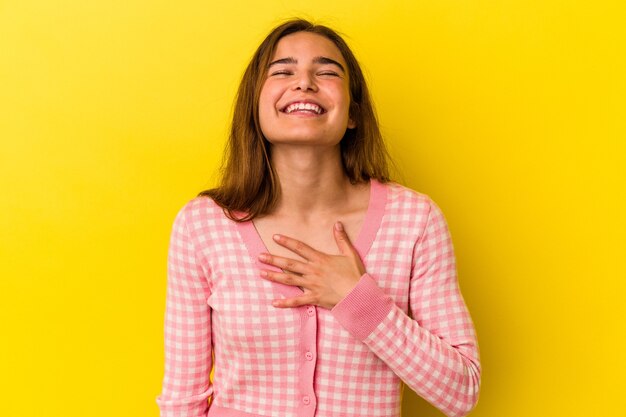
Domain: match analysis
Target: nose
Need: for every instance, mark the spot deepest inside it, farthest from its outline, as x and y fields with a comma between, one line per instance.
x=305, y=82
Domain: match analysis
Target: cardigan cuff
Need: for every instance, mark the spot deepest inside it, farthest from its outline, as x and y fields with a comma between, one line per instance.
x=362, y=310
x=195, y=405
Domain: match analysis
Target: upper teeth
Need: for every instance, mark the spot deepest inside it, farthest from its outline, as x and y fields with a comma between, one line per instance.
x=303, y=106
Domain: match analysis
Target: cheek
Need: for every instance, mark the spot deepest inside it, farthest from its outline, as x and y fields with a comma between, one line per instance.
x=342, y=95
x=265, y=112
x=264, y=100
x=270, y=93
x=267, y=108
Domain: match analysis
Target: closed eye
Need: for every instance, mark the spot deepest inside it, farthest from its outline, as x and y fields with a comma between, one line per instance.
x=281, y=72
x=330, y=73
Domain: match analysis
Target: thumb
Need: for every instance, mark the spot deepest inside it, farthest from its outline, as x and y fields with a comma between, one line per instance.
x=342, y=239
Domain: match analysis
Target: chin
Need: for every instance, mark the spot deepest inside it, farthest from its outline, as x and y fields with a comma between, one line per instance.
x=305, y=136
x=304, y=140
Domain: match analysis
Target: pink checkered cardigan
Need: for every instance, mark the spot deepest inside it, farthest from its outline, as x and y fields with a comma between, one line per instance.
x=405, y=321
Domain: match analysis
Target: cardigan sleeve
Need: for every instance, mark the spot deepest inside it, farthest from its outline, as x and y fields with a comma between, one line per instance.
x=434, y=352
x=186, y=385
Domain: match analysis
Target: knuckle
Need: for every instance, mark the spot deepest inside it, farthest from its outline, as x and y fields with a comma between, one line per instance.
x=317, y=261
x=296, y=302
x=318, y=257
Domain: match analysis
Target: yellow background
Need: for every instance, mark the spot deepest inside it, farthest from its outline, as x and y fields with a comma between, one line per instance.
x=113, y=114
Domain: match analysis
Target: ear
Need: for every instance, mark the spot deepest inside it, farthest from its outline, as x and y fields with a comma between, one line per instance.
x=351, y=123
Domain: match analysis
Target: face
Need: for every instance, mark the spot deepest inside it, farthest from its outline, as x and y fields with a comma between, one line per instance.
x=305, y=98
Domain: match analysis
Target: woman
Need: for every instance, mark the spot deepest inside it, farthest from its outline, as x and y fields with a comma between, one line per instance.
x=312, y=283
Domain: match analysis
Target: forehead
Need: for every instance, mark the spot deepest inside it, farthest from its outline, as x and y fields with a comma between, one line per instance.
x=307, y=45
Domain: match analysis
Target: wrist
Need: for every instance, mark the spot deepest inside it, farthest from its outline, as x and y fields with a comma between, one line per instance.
x=344, y=288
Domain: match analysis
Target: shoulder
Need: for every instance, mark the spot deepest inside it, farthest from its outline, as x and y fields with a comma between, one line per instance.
x=408, y=201
x=201, y=212
x=412, y=210
x=201, y=206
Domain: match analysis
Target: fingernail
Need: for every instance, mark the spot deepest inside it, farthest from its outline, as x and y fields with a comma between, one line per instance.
x=276, y=237
x=339, y=226
x=264, y=273
x=263, y=257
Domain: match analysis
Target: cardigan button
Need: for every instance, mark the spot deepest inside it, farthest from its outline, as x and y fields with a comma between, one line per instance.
x=306, y=400
x=308, y=356
x=310, y=311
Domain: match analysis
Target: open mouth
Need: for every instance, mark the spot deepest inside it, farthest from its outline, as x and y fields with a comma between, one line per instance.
x=303, y=107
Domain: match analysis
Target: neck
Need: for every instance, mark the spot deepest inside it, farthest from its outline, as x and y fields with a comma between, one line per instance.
x=312, y=180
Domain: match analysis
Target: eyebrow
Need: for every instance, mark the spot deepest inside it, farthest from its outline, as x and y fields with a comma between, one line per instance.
x=317, y=60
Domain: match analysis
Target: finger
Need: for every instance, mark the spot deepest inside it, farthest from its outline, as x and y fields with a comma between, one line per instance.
x=296, y=246
x=287, y=264
x=293, y=302
x=342, y=239
x=282, y=277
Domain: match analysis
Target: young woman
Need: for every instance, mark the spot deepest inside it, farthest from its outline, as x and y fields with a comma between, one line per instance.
x=309, y=282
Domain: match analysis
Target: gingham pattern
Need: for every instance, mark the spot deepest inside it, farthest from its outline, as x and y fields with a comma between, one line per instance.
x=405, y=321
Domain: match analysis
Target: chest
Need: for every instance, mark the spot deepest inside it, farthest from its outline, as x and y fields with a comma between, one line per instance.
x=242, y=313
x=318, y=235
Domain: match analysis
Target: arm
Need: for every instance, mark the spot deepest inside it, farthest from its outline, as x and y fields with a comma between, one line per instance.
x=186, y=384
x=435, y=353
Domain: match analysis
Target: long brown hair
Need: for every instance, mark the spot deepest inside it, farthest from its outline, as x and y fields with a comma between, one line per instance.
x=250, y=185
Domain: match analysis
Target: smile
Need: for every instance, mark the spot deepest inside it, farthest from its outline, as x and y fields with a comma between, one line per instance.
x=300, y=106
